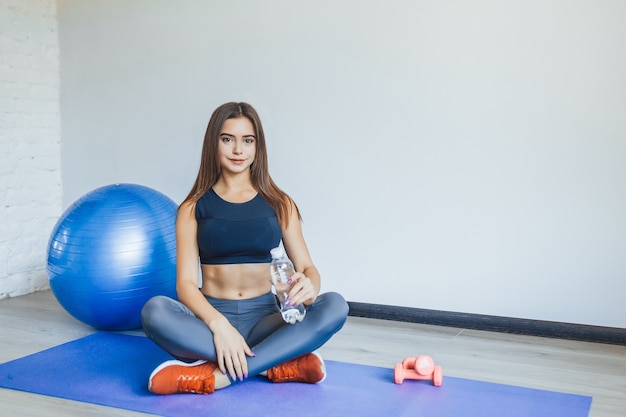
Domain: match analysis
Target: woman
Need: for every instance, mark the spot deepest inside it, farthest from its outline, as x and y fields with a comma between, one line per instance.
x=230, y=328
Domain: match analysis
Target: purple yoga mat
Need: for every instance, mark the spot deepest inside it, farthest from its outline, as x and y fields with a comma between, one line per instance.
x=112, y=369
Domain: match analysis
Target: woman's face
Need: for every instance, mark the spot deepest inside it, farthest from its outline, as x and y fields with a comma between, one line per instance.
x=237, y=145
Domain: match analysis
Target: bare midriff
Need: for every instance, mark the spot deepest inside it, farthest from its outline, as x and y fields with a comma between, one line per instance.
x=236, y=281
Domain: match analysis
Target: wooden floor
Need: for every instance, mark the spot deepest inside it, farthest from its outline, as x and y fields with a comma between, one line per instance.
x=35, y=322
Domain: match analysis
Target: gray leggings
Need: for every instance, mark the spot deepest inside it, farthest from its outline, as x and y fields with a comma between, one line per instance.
x=173, y=327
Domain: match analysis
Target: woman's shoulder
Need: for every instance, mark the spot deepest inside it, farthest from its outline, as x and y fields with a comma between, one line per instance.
x=187, y=208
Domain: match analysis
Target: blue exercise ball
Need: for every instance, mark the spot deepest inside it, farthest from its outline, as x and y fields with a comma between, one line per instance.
x=110, y=252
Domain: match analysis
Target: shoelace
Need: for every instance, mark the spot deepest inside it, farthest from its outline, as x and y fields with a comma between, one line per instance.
x=286, y=372
x=191, y=383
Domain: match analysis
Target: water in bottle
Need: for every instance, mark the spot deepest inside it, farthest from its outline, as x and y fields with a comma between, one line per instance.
x=281, y=269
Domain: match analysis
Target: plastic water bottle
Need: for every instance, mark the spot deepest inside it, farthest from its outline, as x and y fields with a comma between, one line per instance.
x=281, y=269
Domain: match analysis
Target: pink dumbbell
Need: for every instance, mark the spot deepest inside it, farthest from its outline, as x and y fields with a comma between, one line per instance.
x=421, y=367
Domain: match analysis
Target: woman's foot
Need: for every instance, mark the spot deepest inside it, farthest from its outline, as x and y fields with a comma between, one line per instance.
x=174, y=376
x=309, y=369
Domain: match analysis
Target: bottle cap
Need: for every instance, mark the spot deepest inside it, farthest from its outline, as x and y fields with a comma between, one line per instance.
x=277, y=252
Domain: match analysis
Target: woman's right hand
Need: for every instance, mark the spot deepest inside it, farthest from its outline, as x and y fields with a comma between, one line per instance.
x=231, y=348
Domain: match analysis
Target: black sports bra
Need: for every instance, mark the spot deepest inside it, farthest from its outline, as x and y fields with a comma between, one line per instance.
x=235, y=233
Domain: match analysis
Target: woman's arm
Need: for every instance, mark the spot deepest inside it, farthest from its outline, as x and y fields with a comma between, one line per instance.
x=230, y=346
x=187, y=266
x=307, y=277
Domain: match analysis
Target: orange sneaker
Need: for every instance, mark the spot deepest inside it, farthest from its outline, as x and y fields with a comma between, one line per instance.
x=308, y=368
x=175, y=376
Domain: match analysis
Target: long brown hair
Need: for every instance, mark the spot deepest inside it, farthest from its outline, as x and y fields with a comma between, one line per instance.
x=209, y=171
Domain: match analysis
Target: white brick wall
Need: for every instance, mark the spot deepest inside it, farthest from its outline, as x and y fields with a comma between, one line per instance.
x=30, y=132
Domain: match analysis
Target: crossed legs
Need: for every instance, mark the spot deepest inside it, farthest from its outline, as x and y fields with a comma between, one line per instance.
x=174, y=328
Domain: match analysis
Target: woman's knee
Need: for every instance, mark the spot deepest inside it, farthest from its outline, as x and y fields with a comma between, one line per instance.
x=336, y=303
x=153, y=309
x=334, y=309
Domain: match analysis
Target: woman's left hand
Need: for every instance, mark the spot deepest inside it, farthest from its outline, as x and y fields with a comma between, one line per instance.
x=302, y=290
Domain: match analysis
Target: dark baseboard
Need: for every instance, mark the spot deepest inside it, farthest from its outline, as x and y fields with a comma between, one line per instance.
x=581, y=332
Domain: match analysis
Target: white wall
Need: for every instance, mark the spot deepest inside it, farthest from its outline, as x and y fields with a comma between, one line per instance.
x=30, y=149
x=450, y=155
